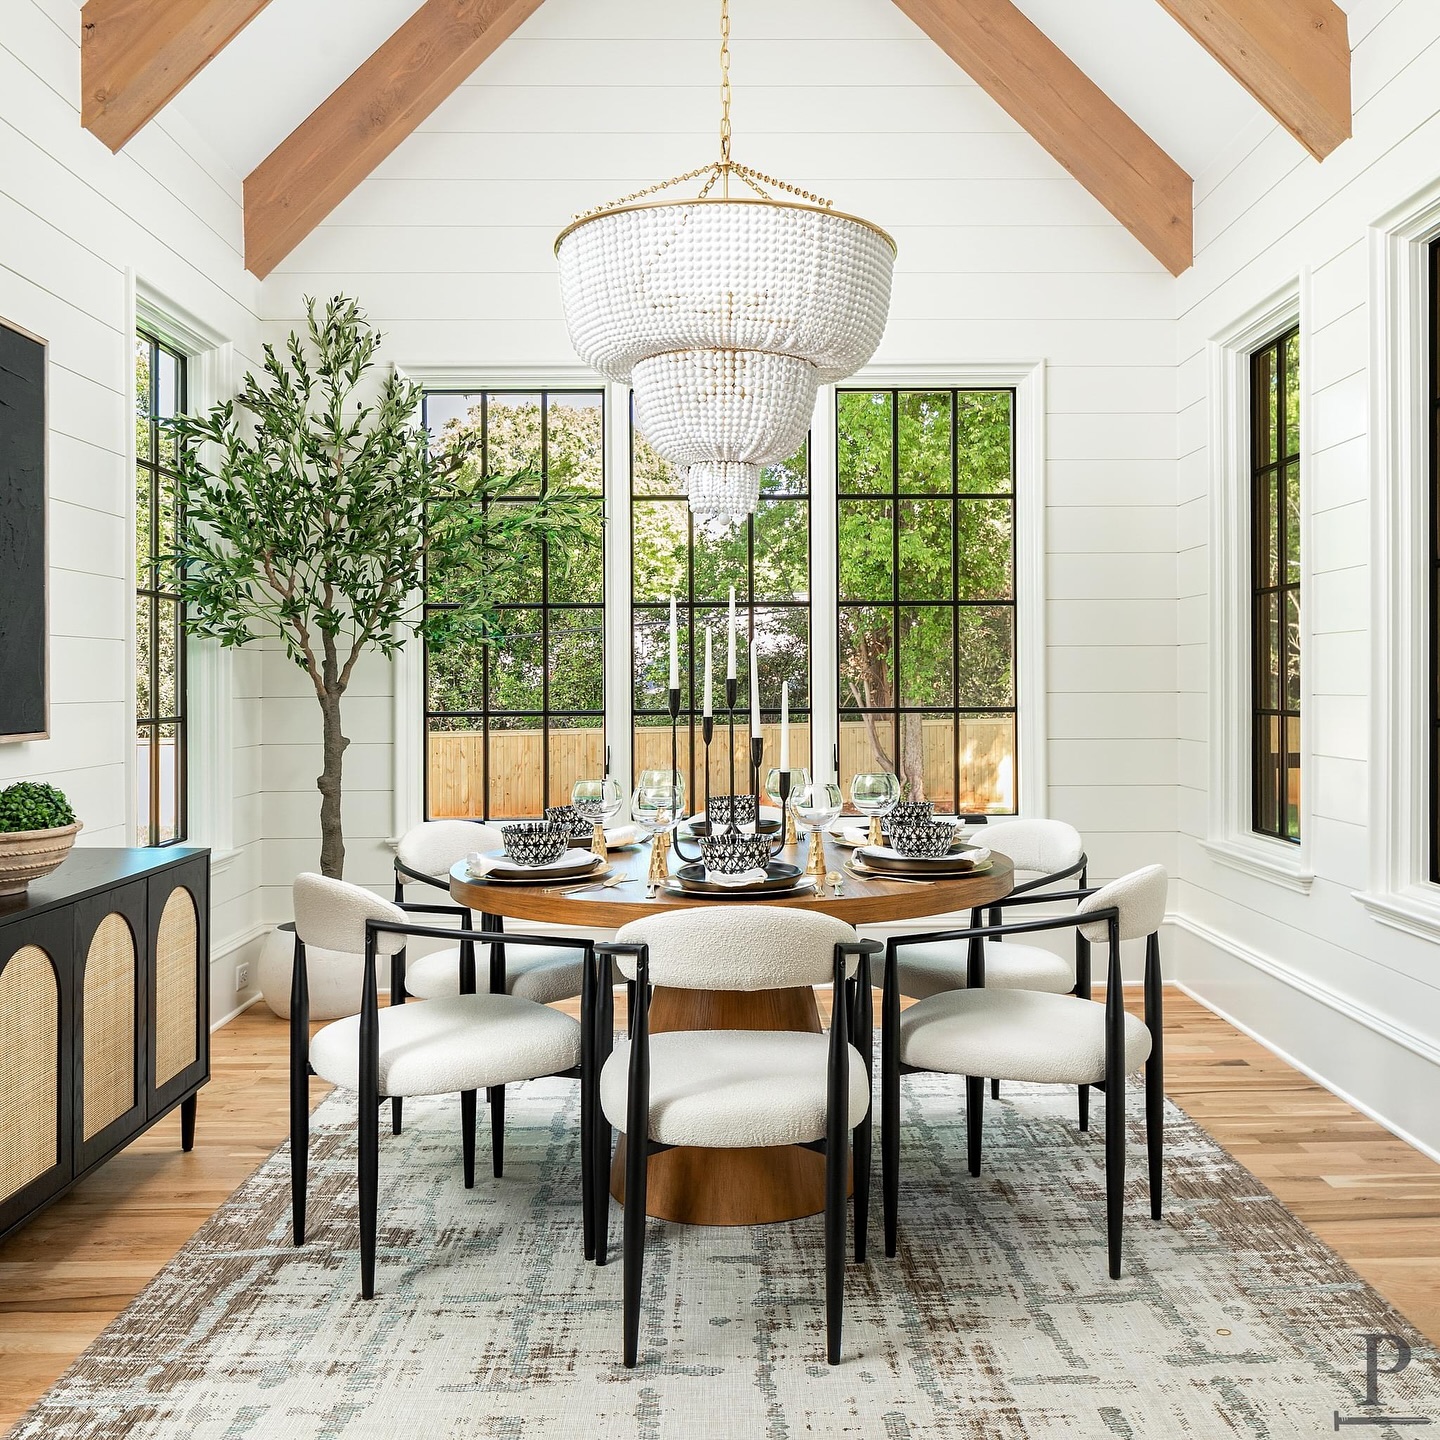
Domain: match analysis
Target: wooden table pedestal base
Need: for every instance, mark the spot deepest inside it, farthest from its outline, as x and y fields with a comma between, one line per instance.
x=701, y=1186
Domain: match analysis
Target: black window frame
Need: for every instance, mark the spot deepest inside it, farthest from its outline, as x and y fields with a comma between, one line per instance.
x=692, y=672
x=544, y=605
x=957, y=711
x=1271, y=770
x=152, y=592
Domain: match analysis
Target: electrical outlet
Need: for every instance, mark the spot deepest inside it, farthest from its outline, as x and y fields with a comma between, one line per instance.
x=242, y=978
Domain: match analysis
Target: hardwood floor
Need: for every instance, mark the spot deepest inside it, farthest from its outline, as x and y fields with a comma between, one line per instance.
x=64, y=1278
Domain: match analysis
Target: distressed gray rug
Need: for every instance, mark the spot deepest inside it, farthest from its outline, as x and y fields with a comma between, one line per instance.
x=996, y=1320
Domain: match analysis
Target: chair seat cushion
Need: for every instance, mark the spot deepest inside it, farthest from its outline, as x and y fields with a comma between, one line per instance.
x=461, y=1042
x=534, y=972
x=928, y=969
x=733, y=1088
x=1015, y=1035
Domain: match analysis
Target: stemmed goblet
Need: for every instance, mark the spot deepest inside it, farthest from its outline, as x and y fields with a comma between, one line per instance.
x=779, y=792
x=598, y=801
x=657, y=806
x=814, y=807
x=875, y=793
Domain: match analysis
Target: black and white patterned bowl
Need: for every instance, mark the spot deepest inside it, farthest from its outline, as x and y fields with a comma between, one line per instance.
x=535, y=842
x=926, y=839
x=730, y=854
x=568, y=818
x=911, y=812
x=721, y=808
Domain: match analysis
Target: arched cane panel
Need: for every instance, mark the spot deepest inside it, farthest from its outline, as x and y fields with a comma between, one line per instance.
x=176, y=966
x=30, y=1043
x=110, y=967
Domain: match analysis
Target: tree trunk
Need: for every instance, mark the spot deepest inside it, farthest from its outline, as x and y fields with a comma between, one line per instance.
x=332, y=835
x=912, y=756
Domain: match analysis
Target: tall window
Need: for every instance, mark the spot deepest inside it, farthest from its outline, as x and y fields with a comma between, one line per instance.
x=767, y=560
x=1275, y=579
x=926, y=539
x=509, y=729
x=159, y=642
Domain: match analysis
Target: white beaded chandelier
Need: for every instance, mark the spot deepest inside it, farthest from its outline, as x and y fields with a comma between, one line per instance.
x=724, y=313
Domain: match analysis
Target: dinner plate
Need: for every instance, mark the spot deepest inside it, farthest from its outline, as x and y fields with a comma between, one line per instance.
x=923, y=871
x=862, y=838
x=539, y=875
x=778, y=876
x=803, y=885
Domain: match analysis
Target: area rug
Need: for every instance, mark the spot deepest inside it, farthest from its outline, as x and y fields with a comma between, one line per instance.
x=996, y=1319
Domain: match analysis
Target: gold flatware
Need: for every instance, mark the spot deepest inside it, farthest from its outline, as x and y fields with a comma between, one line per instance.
x=834, y=879
x=609, y=882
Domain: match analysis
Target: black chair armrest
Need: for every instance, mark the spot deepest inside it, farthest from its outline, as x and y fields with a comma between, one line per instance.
x=420, y=876
x=1038, y=897
x=481, y=937
x=863, y=946
x=990, y=932
x=619, y=947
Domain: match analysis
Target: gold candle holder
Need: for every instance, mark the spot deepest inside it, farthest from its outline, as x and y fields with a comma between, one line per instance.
x=792, y=835
x=816, y=864
x=597, y=841
x=659, y=859
x=877, y=833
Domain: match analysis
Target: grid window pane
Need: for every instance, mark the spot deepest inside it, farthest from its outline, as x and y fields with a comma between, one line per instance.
x=160, y=710
x=1276, y=601
x=927, y=608
x=506, y=728
x=766, y=558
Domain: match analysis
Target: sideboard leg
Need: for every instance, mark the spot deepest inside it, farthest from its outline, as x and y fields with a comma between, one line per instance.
x=187, y=1122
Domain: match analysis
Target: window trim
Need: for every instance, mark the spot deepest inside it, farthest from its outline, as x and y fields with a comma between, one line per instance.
x=1230, y=836
x=1026, y=378
x=1400, y=892
x=210, y=786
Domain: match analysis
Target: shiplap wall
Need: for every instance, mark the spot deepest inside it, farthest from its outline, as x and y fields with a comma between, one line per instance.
x=1002, y=257
x=1314, y=974
x=74, y=220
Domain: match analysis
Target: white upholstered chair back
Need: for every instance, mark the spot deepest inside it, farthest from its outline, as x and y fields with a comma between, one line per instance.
x=1139, y=897
x=331, y=915
x=1038, y=846
x=433, y=846
x=737, y=947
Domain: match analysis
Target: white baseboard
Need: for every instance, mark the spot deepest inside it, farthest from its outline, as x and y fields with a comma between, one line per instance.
x=1353, y=1013
x=238, y=1010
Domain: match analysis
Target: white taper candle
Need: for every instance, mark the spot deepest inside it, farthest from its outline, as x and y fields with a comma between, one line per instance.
x=709, y=702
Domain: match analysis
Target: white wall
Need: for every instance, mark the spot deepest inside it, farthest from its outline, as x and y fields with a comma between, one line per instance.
x=1003, y=257
x=75, y=222
x=1314, y=974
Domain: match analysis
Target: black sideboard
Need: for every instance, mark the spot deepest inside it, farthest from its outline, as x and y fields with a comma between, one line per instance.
x=104, y=1014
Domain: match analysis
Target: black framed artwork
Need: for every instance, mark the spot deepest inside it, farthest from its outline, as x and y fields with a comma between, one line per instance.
x=24, y=593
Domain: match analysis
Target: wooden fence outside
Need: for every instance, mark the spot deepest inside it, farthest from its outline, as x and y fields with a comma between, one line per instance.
x=456, y=763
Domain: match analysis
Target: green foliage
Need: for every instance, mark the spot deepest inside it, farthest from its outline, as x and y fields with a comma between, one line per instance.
x=33, y=805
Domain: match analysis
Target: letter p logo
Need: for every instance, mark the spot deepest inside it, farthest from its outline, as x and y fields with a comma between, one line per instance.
x=1373, y=1372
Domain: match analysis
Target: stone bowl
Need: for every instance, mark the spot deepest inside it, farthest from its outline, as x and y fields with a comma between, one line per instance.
x=27, y=855
x=535, y=842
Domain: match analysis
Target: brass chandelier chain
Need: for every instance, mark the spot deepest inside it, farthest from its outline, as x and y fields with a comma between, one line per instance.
x=718, y=170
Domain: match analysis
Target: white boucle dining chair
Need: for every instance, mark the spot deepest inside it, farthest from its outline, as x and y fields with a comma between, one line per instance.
x=457, y=1044
x=1039, y=1037
x=734, y=1088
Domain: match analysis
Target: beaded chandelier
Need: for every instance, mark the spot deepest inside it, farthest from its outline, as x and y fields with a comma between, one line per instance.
x=724, y=313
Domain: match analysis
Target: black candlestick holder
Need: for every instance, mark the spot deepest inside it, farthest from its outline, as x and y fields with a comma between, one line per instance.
x=784, y=807
x=757, y=754
x=730, y=687
x=707, y=734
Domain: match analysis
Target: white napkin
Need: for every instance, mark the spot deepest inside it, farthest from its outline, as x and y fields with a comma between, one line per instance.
x=743, y=877
x=479, y=863
x=622, y=835
x=849, y=835
x=978, y=856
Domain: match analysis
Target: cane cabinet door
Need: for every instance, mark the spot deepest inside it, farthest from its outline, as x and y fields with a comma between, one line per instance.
x=110, y=1000
x=178, y=906
x=36, y=999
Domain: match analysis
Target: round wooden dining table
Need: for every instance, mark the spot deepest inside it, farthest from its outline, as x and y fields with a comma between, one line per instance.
x=704, y=1186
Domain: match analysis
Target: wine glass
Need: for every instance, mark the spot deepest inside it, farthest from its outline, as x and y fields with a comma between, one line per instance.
x=798, y=777
x=598, y=801
x=875, y=793
x=814, y=807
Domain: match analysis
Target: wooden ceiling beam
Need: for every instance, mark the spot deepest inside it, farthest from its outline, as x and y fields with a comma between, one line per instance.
x=1293, y=56
x=137, y=55
x=1041, y=88
x=308, y=174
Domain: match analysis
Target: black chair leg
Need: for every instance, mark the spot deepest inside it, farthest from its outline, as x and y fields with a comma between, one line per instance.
x=299, y=1091
x=1115, y=1173
x=397, y=1114
x=600, y=1181
x=467, y=1135
x=187, y=1123
x=974, y=1119
x=497, y=1129
x=890, y=1104
x=637, y=1167
x=994, y=1089
x=1154, y=1075
x=369, y=1193
x=1084, y=1107
x=862, y=1142
x=837, y=1159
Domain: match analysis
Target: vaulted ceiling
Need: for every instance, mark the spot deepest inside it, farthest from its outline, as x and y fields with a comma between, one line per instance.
x=1132, y=97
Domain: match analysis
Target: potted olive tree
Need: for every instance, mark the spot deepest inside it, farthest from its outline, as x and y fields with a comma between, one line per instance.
x=313, y=505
